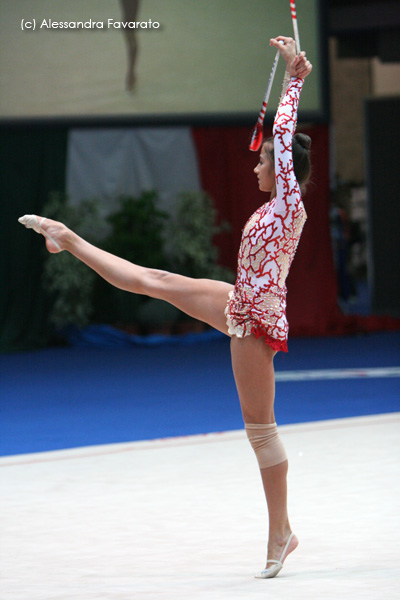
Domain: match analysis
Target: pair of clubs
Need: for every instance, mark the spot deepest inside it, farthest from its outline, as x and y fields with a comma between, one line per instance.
x=257, y=135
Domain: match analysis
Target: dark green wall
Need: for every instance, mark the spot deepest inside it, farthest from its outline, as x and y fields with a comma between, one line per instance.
x=32, y=164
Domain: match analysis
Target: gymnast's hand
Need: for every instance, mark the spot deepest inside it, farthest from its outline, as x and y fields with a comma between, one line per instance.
x=296, y=66
x=286, y=46
x=56, y=234
x=300, y=67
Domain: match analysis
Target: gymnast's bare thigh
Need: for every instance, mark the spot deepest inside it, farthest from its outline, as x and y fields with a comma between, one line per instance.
x=202, y=299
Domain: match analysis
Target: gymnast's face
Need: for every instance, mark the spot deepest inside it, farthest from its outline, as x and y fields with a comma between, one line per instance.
x=265, y=170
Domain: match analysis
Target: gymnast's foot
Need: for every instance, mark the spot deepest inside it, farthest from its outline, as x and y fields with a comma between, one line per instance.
x=56, y=233
x=277, y=553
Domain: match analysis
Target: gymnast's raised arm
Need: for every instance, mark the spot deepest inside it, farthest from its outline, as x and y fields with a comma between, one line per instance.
x=298, y=67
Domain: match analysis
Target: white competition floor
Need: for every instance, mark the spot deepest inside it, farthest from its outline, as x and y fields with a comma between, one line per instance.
x=184, y=518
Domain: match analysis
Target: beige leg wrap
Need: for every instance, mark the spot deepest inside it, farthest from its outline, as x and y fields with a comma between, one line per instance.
x=266, y=444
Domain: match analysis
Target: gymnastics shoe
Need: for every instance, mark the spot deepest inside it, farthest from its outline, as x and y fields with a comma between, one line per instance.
x=31, y=222
x=277, y=564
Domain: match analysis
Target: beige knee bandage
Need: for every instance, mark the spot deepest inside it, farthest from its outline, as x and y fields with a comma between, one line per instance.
x=266, y=444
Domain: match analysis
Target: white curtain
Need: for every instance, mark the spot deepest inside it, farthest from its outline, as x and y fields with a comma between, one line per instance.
x=105, y=163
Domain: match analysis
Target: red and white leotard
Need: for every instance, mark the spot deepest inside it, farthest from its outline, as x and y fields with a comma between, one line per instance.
x=270, y=237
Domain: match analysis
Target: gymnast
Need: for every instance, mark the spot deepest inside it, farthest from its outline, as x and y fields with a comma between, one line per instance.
x=129, y=9
x=253, y=311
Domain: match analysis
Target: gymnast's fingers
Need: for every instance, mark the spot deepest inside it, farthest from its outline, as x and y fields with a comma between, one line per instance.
x=306, y=70
x=284, y=39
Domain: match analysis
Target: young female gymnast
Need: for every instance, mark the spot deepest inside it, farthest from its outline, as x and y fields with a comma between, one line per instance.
x=253, y=311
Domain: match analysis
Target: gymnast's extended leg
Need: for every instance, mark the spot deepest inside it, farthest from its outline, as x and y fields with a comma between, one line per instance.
x=202, y=299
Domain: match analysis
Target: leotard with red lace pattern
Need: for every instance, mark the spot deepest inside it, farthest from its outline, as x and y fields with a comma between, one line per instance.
x=257, y=305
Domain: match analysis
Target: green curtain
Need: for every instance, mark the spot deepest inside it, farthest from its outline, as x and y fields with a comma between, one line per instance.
x=32, y=164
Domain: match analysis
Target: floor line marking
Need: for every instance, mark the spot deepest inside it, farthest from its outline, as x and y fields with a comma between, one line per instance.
x=337, y=374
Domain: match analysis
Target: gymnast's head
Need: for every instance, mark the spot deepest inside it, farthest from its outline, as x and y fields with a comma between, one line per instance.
x=301, y=157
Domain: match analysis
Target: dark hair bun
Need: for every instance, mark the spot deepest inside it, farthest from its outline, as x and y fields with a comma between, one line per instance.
x=304, y=140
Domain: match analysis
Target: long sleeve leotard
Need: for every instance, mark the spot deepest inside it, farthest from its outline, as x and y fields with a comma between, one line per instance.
x=269, y=241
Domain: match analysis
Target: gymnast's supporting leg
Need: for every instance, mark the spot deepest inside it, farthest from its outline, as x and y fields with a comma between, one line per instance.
x=252, y=362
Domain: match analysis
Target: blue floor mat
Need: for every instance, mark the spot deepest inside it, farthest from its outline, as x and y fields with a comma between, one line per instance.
x=68, y=397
